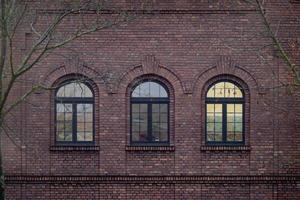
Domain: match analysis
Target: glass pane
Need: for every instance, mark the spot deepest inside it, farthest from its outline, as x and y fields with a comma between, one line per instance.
x=145, y=89
x=135, y=136
x=60, y=116
x=69, y=90
x=230, y=127
x=154, y=89
x=80, y=127
x=88, y=127
x=89, y=117
x=155, y=108
x=136, y=92
x=238, y=127
x=210, y=136
x=143, y=117
x=155, y=132
x=60, y=136
x=219, y=89
x=79, y=89
x=230, y=136
x=143, y=108
x=230, y=108
x=80, y=136
x=164, y=136
x=135, y=117
x=210, y=107
x=218, y=137
x=149, y=89
x=238, y=92
x=88, y=136
x=68, y=116
x=229, y=90
x=74, y=90
x=230, y=117
x=163, y=117
x=144, y=127
x=162, y=108
x=135, y=107
x=239, y=108
x=68, y=126
x=218, y=127
x=135, y=127
x=210, y=127
x=238, y=136
x=218, y=117
x=210, y=117
x=238, y=118
x=68, y=136
x=218, y=107
x=60, y=127
x=163, y=92
x=155, y=117
x=224, y=90
x=211, y=92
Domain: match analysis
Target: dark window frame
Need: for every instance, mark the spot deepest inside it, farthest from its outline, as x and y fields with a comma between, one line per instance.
x=150, y=101
x=224, y=101
x=74, y=101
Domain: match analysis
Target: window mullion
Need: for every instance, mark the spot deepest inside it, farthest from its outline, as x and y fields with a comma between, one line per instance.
x=149, y=122
x=224, y=124
x=74, y=122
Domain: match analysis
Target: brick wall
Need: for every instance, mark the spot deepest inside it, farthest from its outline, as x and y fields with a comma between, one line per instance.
x=187, y=44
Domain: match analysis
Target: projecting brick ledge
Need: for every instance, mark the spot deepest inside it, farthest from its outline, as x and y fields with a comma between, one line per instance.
x=74, y=148
x=150, y=148
x=225, y=148
x=276, y=179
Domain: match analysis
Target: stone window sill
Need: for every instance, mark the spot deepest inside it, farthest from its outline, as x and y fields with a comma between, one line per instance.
x=150, y=148
x=74, y=148
x=225, y=148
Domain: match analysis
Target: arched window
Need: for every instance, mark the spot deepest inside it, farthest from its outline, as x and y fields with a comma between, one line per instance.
x=225, y=113
x=149, y=113
x=74, y=113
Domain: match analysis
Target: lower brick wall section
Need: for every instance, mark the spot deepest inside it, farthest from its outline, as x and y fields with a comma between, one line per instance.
x=140, y=191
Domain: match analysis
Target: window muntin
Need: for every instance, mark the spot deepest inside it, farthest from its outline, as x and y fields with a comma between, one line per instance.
x=74, y=114
x=149, y=114
x=224, y=114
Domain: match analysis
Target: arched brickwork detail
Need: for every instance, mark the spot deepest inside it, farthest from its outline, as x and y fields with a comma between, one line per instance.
x=77, y=67
x=225, y=66
x=150, y=66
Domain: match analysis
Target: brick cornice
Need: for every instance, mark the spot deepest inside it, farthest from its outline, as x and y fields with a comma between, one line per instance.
x=123, y=179
x=153, y=11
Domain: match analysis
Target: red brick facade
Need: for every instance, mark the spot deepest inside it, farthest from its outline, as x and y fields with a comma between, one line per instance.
x=187, y=45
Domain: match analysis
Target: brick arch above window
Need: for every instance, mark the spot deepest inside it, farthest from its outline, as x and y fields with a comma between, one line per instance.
x=225, y=65
x=150, y=66
x=73, y=68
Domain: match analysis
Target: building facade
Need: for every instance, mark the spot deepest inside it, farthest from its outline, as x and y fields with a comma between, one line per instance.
x=183, y=102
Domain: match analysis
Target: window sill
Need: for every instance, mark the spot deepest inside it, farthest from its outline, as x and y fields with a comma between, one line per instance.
x=150, y=148
x=74, y=148
x=225, y=148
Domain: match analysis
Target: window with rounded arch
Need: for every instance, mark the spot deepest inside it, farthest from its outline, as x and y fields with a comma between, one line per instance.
x=149, y=113
x=74, y=113
x=225, y=113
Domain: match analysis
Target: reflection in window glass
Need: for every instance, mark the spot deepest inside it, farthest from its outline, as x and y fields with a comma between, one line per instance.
x=74, y=113
x=149, y=89
x=149, y=117
x=224, y=113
